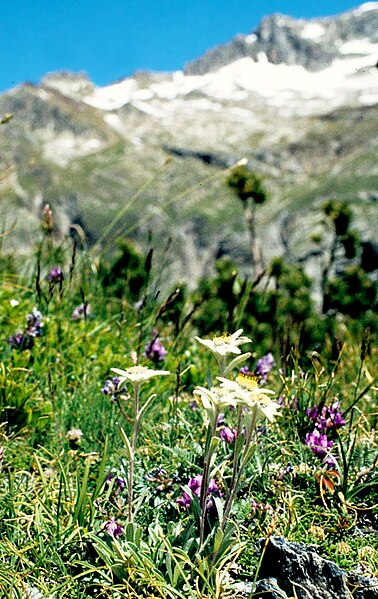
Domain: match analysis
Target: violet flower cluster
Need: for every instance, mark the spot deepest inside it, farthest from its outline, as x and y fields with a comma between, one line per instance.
x=55, y=276
x=33, y=329
x=228, y=435
x=111, y=387
x=155, y=350
x=81, y=312
x=263, y=368
x=194, y=485
x=114, y=529
x=35, y=324
x=258, y=508
x=320, y=446
x=326, y=419
x=119, y=482
x=329, y=417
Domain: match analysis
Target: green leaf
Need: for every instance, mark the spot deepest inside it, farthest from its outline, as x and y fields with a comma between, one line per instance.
x=219, y=506
x=146, y=405
x=128, y=448
x=219, y=535
x=82, y=495
x=239, y=444
x=237, y=361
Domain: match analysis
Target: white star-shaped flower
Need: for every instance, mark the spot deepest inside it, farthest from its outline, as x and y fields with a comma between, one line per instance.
x=246, y=391
x=225, y=344
x=138, y=374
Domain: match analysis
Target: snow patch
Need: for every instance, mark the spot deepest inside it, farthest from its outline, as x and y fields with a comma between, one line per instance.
x=112, y=96
x=362, y=46
x=350, y=79
x=369, y=99
x=44, y=95
x=366, y=7
x=65, y=147
x=149, y=109
x=251, y=38
x=262, y=57
x=312, y=31
x=113, y=120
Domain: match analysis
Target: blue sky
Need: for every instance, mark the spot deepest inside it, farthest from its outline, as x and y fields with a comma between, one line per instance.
x=110, y=39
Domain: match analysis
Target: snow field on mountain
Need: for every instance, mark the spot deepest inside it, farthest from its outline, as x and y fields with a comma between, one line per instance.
x=348, y=81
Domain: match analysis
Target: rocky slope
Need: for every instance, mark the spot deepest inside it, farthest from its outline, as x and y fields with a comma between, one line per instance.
x=298, y=99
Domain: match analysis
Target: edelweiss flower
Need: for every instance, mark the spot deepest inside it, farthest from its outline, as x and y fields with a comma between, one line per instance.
x=215, y=397
x=138, y=374
x=225, y=344
x=246, y=391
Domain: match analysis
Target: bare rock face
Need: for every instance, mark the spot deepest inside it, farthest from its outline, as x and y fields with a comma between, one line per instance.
x=297, y=570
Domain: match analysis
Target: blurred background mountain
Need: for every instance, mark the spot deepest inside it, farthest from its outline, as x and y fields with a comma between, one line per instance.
x=297, y=99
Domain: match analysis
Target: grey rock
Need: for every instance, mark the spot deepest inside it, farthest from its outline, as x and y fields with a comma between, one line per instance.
x=300, y=571
x=281, y=38
x=268, y=589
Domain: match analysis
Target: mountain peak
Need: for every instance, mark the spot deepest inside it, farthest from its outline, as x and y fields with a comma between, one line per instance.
x=281, y=39
x=68, y=83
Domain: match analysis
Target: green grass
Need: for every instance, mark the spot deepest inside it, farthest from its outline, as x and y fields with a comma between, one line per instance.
x=55, y=501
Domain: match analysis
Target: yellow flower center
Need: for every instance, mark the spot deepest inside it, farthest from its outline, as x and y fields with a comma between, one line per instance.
x=225, y=338
x=248, y=381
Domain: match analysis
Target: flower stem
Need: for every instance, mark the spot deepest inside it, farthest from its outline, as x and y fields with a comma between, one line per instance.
x=205, y=476
x=133, y=447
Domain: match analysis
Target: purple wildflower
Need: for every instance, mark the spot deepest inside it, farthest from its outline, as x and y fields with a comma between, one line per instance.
x=335, y=417
x=220, y=419
x=35, y=324
x=245, y=370
x=33, y=329
x=111, y=386
x=213, y=487
x=313, y=412
x=289, y=403
x=319, y=443
x=194, y=485
x=155, y=350
x=185, y=500
x=119, y=482
x=113, y=529
x=21, y=341
x=56, y=275
x=258, y=508
x=81, y=312
x=109, y=478
x=264, y=366
x=193, y=405
x=329, y=417
x=330, y=460
x=227, y=435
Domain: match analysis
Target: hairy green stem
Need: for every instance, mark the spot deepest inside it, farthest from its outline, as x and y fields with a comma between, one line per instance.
x=132, y=455
x=238, y=470
x=205, y=477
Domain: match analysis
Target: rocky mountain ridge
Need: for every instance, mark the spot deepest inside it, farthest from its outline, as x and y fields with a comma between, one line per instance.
x=301, y=107
x=279, y=39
